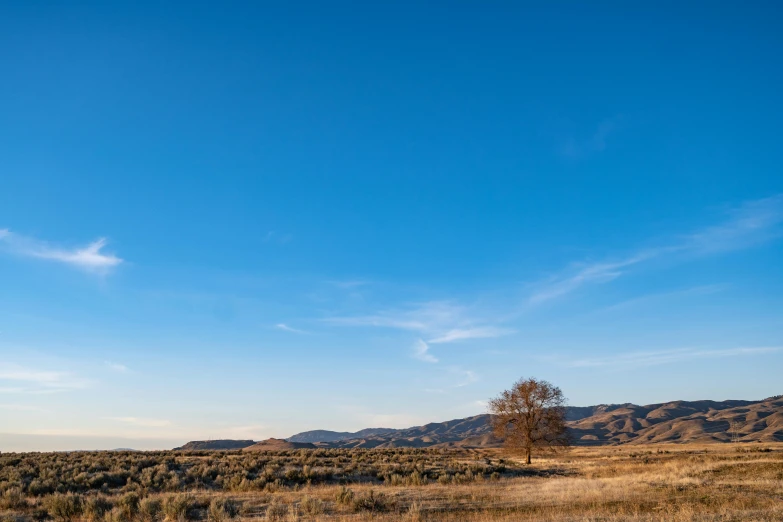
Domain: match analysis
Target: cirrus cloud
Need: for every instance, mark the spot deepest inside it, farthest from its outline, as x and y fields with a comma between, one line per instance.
x=90, y=258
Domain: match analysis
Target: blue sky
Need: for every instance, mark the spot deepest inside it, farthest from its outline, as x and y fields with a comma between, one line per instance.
x=244, y=221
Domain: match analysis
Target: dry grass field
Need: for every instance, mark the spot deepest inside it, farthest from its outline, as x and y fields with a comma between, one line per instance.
x=656, y=482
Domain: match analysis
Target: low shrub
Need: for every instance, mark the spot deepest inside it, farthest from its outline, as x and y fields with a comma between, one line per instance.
x=311, y=506
x=150, y=510
x=13, y=499
x=64, y=507
x=371, y=502
x=222, y=509
x=177, y=508
x=129, y=502
x=95, y=508
x=276, y=511
x=345, y=496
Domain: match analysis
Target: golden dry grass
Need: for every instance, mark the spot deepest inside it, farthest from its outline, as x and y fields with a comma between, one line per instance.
x=714, y=482
x=676, y=482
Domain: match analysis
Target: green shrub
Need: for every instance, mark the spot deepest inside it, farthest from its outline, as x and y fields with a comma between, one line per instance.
x=371, y=502
x=13, y=499
x=150, y=510
x=64, y=507
x=177, y=508
x=311, y=506
x=95, y=508
x=345, y=496
x=222, y=509
x=117, y=514
x=276, y=511
x=129, y=504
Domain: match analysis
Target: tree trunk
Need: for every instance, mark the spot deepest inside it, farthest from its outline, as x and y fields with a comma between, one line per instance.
x=528, y=455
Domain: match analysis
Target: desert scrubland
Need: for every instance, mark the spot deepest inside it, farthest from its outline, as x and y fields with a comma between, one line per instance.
x=653, y=482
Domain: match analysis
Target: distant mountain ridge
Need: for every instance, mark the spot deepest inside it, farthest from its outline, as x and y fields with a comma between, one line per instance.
x=220, y=444
x=673, y=422
x=333, y=436
x=278, y=445
x=605, y=424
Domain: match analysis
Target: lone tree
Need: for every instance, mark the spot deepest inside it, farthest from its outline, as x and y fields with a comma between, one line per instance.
x=530, y=415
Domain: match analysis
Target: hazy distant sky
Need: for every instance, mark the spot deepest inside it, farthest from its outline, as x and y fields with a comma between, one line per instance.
x=243, y=220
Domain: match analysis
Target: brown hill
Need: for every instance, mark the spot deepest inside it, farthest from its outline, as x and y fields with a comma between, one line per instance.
x=278, y=445
x=224, y=444
x=671, y=422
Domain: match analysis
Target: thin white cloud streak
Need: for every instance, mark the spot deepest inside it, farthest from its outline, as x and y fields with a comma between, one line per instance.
x=641, y=300
x=37, y=381
x=11, y=389
x=468, y=377
x=378, y=320
x=141, y=421
x=752, y=223
x=421, y=352
x=440, y=321
x=286, y=328
x=89, y=258
x=119, y=368
x=459, y=334
x=654, y=358
x=592, y=273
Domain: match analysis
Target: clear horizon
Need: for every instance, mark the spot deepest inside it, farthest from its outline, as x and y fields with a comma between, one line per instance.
x=251, y=221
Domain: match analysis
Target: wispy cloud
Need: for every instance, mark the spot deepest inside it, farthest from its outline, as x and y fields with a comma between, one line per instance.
x=466, y=376
x=657, y=296
x=752, y=223
x=749, y=224
x=286, y=328
x=119, y=368
x=440, y=321
x=141, y=421
x=90, y=258
x=653, y=358
x=421, y=352
x=459, y=334
x=582, y=274
x=34, y=381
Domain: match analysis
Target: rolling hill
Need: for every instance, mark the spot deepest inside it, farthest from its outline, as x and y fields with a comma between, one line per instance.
x=672, y=422
x=333, y=436
x=278, y=445
x=606, y=424
x=222, y=444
